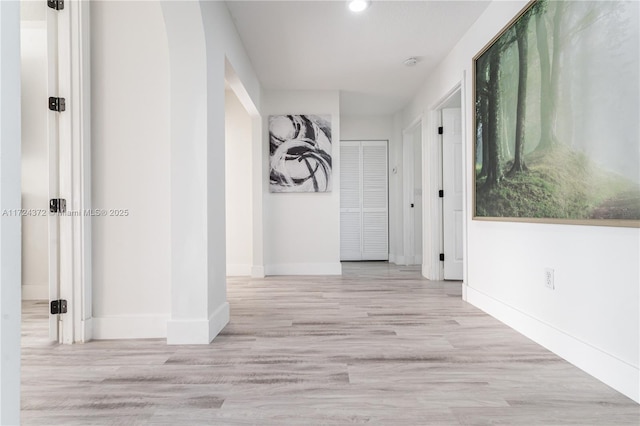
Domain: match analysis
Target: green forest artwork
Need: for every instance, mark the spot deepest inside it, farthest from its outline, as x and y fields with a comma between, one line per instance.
x=557, y=113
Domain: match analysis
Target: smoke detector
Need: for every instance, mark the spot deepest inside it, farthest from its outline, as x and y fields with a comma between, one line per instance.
x=410, y=61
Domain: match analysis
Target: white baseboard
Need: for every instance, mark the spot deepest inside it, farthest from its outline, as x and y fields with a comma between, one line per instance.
x=35, y=292
x=620, y=375
x=304, y=269
x=129, y=327
x=257, y=271
x=238, y=270
x=399, y=259
x=198, y=332
x=392, y=258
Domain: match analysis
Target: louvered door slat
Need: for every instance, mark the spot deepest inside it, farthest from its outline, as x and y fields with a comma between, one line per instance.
x=374, y=184
x=350, y=175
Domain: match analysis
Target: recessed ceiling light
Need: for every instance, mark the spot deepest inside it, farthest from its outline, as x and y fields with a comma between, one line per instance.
x=359, y=5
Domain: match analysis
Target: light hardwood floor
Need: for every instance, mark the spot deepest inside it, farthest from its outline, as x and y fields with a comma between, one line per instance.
x=379, y=345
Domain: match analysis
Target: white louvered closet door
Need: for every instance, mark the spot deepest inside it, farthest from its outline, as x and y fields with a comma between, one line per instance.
x=363, y=200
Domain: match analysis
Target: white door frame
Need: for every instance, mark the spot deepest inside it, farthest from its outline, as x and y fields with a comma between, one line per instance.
x=74, y=173
x=408, y=218
x=53, y=133
x=434, y=268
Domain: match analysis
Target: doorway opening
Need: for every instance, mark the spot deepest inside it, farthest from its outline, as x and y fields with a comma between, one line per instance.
x=238, y=186
x=243, y=180
x=412, y=194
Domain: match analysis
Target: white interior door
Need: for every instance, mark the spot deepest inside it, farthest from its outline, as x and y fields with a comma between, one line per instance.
x=363, y=200
x=62, y=160
x=53, y=120
x=68, y=169
x=453, y=192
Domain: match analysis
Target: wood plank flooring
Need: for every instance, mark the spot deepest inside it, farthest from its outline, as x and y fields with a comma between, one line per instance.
x=379, y=345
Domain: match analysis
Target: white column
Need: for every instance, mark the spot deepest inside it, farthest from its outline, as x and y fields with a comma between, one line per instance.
x=10, y=274
x=198, y=307
x=216, y=212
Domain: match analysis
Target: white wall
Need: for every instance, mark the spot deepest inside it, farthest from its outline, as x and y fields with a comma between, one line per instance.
x=396, y=185
x=35, y=159
x=411, y=177
x=130, y=169
x=302, y=230
x=366, y=128
x=238, y=186
x=382, y=128
x=9, y=225
x=592, y=318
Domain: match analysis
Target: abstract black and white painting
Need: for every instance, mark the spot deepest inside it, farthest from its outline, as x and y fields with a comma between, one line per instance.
x=300, y=153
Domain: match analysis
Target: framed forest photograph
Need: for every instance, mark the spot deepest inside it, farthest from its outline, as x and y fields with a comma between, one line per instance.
x=557, y=113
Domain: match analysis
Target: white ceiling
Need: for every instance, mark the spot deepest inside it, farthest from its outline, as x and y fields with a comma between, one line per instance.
x=321, y=45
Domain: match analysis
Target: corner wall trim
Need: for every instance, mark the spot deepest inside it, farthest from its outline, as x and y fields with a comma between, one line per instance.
x=426, y=271
x=87, y=331
x=304, y=269
x=257, y=271
x=198, y=332
x=218, y=320
x=605, y=367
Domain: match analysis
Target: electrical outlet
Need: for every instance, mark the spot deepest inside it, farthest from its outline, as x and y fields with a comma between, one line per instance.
x=548, y=279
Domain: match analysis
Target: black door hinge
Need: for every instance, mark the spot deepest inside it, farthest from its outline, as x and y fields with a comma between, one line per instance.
x=57, y=205
x=57, y=104
x=440, y=130
x=58, y=307
x=56, y=4
x=441, y=193
x=441, y=257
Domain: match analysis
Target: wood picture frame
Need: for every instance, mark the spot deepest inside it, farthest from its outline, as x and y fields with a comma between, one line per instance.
x=556, y=105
